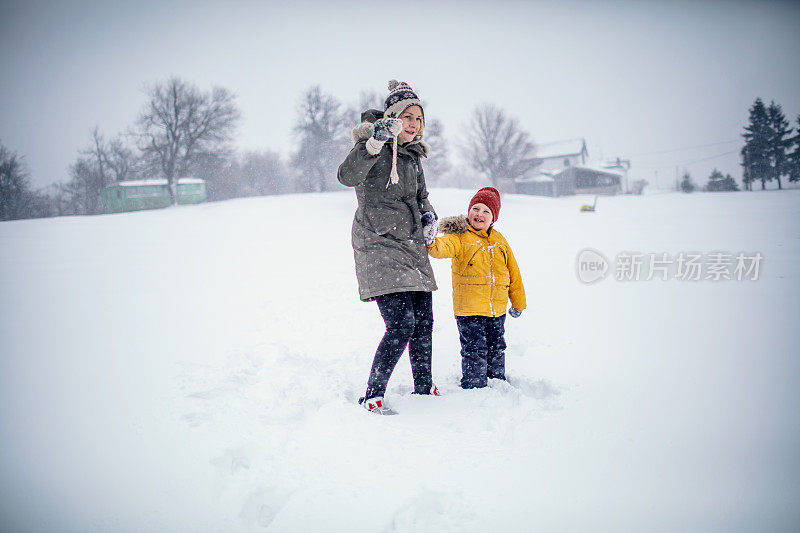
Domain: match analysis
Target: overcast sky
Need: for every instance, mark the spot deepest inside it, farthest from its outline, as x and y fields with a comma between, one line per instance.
x=664, y=84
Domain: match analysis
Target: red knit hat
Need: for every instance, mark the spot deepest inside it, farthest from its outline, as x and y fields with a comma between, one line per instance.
x=489, y=197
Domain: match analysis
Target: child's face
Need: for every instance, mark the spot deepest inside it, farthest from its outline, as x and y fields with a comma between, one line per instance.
x=412, y=124
x=480, y=217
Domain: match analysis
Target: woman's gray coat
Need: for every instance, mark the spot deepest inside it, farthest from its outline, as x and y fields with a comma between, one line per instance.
x=388, y=245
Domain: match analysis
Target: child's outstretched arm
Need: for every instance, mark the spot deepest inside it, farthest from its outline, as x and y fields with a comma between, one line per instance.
x=448, y=245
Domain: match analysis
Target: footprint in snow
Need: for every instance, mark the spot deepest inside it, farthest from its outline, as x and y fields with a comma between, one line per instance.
x=539, y=389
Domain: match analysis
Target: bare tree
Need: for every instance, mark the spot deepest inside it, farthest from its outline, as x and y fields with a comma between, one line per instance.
x=222, y=174
x=437, y=163
x=253, y=173
x=497, y=146
x=15, y=193
x=99, y=153
x=264, y=173
x=180, y=123
x=113, y=160
x=320, y=131
x=121, y=160
x=98, y=165
x=367, y=99
x=85, y=188
x=40, y=205
x=60, y=199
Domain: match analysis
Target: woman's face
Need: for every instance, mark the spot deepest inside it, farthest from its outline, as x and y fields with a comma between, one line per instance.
x=412, y=124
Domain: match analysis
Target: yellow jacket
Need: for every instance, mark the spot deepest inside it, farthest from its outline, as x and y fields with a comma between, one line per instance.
x=485, y=272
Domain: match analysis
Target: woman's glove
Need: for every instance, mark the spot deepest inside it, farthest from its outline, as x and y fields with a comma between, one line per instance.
x=514, y=312
x=430, y=227
x=386, y=129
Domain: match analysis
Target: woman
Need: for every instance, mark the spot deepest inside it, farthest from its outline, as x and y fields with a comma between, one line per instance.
x=392, y=263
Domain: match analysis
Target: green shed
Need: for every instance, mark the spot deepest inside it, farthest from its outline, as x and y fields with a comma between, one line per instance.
x=136, y=195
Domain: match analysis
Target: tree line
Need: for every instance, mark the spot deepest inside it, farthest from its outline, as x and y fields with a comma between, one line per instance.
x=771, y=149
x=182, y=131
x=716, y=182
x=771, y=152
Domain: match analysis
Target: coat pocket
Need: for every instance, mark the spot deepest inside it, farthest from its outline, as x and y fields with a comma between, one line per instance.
x=384, y=220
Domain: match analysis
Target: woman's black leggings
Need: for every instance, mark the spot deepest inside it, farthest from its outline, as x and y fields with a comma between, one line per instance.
x=409, y=321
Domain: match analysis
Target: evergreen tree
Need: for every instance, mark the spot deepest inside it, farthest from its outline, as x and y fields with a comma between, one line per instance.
x=714, y=181
x=637, y=187
x=747, y=178
x=718, y=182
x=687, y=185
x=729, y=184
x=793, y=158
x=755, y=154
x=779, y=142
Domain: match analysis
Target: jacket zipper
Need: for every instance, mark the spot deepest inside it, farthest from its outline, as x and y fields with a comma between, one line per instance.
x=491, y=285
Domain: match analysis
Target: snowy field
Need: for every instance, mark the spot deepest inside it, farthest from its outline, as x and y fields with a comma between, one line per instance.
x=196, y=369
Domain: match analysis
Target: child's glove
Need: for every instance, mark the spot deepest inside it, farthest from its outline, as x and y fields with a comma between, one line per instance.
x=430, y=227
x=514, y=312
x=386, y=129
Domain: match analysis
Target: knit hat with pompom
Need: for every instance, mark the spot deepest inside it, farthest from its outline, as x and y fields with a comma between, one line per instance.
x=400, y=98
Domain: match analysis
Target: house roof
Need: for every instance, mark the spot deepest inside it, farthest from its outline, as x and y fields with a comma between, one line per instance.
x=162, y=181
x=561, y=148
x=536, y=178
x=592, y=168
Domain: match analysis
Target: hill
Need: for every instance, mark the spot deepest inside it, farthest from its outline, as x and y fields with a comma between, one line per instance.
x=196, y=369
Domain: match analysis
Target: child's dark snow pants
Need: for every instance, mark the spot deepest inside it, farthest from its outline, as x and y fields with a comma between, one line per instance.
x=482, y=349
x=409, y=321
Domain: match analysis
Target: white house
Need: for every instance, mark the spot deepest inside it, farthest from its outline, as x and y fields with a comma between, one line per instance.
x=559, y=155
x=563, y=169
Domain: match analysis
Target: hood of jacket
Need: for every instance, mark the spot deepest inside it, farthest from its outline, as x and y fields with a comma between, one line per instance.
x=456, y=224
x=363, y=131
x=460, y=224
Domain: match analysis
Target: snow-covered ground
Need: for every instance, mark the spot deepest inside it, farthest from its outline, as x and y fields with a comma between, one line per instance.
x=196, y=369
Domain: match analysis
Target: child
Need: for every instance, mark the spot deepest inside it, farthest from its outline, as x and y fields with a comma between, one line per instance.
x=485, y=277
